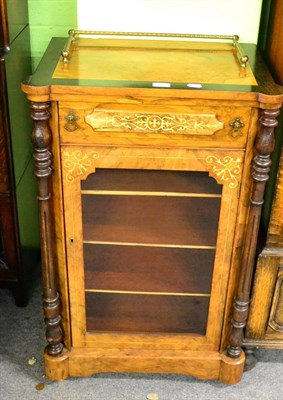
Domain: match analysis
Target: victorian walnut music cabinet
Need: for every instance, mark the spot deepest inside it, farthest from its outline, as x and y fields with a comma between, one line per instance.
x=151, y=158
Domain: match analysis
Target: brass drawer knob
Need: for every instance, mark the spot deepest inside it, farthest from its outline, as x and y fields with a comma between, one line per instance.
x=237, y=125
x=71, y=119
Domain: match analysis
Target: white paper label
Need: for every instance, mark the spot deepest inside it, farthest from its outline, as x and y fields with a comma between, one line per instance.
x=194, y=85
x=161, y=84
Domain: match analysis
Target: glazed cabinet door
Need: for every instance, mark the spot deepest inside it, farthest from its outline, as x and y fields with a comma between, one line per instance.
x=149, y=236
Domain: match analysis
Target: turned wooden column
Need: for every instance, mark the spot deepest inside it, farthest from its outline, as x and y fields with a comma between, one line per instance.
x=41, y=138
x=264, y=145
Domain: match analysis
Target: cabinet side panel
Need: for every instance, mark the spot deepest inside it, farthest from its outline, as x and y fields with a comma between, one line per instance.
x=58, y=212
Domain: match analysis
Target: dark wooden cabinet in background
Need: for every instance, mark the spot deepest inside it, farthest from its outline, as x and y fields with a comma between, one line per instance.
x=265, y=322
x=18, y=210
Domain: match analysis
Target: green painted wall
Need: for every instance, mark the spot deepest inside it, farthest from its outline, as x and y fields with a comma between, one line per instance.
x=49, y=18
x=18, y=67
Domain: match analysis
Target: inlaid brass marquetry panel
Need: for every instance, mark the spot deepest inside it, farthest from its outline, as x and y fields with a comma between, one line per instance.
x=77, y=162
x=186, y=124
x=226, y=169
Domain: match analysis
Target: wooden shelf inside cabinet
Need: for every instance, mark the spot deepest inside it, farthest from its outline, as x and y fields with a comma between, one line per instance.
x=146, y=213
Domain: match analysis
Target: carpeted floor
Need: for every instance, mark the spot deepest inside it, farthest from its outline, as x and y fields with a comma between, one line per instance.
x=22, y=340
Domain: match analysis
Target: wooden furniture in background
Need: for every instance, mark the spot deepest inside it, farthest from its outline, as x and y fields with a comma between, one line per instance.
x=265, y=323
x=19, y=244
x=151, y=159
x=274, y=41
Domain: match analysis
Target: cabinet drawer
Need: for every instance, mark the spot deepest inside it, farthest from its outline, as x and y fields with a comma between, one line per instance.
x=154, y=125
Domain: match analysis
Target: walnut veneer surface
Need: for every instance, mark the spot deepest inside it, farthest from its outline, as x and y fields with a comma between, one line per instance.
x=151, y=169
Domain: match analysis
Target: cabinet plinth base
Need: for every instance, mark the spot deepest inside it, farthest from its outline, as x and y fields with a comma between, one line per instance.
x=57, y=367
x=203, y=365
x=231, y=369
